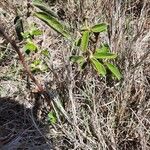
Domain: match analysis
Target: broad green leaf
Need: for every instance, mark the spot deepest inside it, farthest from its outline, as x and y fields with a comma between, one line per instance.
x=99, y=28
x=53, y=23
x=77, y=59
x=85, y=40
x=103, y=49
x=99, y=67
x=114, y=70
x=52, y=118
x=104, y=55
x=42, y=6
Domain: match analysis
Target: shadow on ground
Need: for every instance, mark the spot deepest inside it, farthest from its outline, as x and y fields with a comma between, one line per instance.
x=19, y=130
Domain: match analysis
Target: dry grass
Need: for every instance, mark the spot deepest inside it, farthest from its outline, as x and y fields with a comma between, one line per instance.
x=102, y=114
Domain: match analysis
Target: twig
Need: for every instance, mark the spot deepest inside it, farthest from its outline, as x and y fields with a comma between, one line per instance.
x=42, y=90
x=21, y=57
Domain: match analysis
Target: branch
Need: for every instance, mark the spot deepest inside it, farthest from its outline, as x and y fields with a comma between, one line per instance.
x=21, y=57
x=42, y=90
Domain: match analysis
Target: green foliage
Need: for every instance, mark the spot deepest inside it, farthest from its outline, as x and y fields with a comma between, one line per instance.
x=42, y=6
x=37, y=66
x=52, y=118
x=51, y=19
x=99, y=67
x=77, y=42
x=114, y=70
x=30, y=47
x=98, y=58
x=103, y=55
x=53, y=23
x=99, y=28
x=77, y=59
x=45, y=52
x=104, y=48
x=102, y=27
x=85, y=41
x=33, y=31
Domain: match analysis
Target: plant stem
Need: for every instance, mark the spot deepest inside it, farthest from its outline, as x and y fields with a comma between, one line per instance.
x=22, y=59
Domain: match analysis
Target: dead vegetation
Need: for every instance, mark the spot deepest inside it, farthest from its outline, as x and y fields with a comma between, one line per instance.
x=99, y=113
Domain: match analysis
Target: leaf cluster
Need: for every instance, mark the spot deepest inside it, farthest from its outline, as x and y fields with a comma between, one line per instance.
x=31, y=48
x=99, y=58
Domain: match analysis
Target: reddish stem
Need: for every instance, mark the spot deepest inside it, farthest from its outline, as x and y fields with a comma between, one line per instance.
x=22, y=59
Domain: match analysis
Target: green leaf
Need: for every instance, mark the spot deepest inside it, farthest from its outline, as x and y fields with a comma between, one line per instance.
x=37, y=65
x=30, y=46
x=104, y=55
x=35, y=32
x=52, y=118
x=103, y=49
x=34, y=68
x=45, y=52
x=77, y=59
x=43, y=6
x=53, y=23
x=85, y=40
x=102, y=27
x=36, y=62
x=78, y=42
x=99, y=67
x=80, y=60
x=114, y=70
